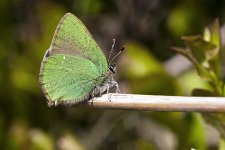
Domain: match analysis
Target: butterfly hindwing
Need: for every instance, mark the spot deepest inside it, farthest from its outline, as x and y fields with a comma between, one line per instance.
x=64, y=81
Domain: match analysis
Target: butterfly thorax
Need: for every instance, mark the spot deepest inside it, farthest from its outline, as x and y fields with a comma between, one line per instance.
x=106, y=85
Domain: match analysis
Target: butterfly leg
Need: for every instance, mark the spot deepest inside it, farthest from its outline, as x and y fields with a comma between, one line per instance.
x=117, y=88
x=115, y=84
x=107, y=91
x=93, y=93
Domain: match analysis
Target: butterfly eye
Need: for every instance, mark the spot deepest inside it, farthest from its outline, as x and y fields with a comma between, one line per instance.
x=112, y=68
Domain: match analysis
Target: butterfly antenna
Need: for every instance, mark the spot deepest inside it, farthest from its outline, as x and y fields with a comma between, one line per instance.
x=122, y=49
x=114, y=41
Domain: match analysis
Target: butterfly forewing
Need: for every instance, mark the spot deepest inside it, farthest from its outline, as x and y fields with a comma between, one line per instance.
x=72, y=37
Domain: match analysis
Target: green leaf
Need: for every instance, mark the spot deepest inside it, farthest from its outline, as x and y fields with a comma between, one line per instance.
x=215, y=33
x=205, y=53
x=213, y=56
x=207, y=34
x=198, y=47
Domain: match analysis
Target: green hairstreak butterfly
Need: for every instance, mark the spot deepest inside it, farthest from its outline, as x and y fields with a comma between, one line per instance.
x=74, y=68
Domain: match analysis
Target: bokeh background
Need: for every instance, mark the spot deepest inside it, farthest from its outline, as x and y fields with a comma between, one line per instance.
x=148, y=29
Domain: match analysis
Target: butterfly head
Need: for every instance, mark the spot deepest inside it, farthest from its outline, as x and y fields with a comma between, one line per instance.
x=112, y=67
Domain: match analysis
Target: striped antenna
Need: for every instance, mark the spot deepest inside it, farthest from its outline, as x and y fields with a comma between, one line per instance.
x=114, y=41
x=122, y=49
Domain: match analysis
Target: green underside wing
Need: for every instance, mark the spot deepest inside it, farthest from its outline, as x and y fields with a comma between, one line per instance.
x=73, y=65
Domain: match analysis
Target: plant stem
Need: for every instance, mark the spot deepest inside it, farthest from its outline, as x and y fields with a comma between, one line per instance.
x=158, y=103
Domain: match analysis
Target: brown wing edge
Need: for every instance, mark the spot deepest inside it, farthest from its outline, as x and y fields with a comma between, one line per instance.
x=57, y=29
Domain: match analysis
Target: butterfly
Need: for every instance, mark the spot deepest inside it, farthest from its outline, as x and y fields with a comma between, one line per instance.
x=74, y=68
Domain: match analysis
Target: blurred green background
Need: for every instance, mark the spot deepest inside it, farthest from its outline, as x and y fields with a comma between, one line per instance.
x=148, y=28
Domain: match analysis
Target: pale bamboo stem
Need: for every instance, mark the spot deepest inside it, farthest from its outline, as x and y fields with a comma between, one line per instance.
x=158, y=103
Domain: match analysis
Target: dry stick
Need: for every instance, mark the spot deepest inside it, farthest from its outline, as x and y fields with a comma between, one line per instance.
x=159, y=103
